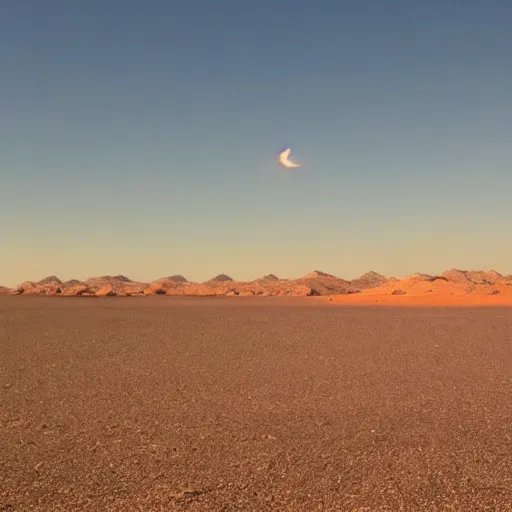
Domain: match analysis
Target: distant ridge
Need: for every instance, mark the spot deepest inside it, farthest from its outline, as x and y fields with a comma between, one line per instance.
x=369, y=280
x=72, y=282
x=177, y=278
x=50, y=280
x=120, y=277
x=326, y=284
x=220, y=278
x=317, y=282
x=452, y=282
x=269, y=277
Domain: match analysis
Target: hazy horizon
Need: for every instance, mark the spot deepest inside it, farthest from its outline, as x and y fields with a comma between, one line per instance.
x=142, y=139
x=235, y=278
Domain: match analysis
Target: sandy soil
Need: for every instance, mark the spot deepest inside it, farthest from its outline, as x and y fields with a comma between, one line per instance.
x=462, y=300
x=162, y=404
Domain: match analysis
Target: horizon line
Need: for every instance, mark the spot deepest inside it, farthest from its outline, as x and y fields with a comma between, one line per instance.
x=124, y=276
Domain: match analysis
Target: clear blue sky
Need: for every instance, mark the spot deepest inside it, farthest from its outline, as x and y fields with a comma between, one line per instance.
x=140, y=137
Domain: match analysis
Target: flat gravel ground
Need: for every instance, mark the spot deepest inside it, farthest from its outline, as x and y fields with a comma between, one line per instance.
x=189, y=404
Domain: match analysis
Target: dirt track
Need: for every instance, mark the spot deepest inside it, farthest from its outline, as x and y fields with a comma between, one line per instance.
x=245, y=404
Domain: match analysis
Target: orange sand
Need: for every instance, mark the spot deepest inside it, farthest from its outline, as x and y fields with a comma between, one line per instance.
x=368, y=299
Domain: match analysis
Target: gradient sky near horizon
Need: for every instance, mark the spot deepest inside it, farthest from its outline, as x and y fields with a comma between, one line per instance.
x=141, y=137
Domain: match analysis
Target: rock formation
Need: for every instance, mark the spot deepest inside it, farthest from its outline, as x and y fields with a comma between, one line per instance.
x=221, y=278
x=369, y=280
x=326, y=284
x=450, y=282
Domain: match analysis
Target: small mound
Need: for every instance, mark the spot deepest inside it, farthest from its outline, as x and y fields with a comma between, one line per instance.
x=122, y=279
x=455, y=275
x=177, y=278
x=72, y=282
x=119, y=278
x=270, y=277
x=369, y=280
x=318, y=273
x=50, y=280
x=221, y=278
x=325, y=284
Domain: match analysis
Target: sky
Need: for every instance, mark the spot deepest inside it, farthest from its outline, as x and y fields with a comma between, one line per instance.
x=141, y=137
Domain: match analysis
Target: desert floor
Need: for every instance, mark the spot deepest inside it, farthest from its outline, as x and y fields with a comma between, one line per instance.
x=189, y=404
x=424, y=300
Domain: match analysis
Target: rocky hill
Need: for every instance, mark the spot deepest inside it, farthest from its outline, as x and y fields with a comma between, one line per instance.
x=326, y=284
x=221, y=278
x=451, y=282
x=177, y=278
x=370, y=280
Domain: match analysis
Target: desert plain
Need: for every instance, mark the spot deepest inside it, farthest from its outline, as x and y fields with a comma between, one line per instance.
x=170, y=403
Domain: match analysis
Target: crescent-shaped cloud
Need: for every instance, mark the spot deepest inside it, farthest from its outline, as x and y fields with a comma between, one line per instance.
x=284, y=159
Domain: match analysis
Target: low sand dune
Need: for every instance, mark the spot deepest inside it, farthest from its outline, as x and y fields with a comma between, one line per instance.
x=453, y=287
